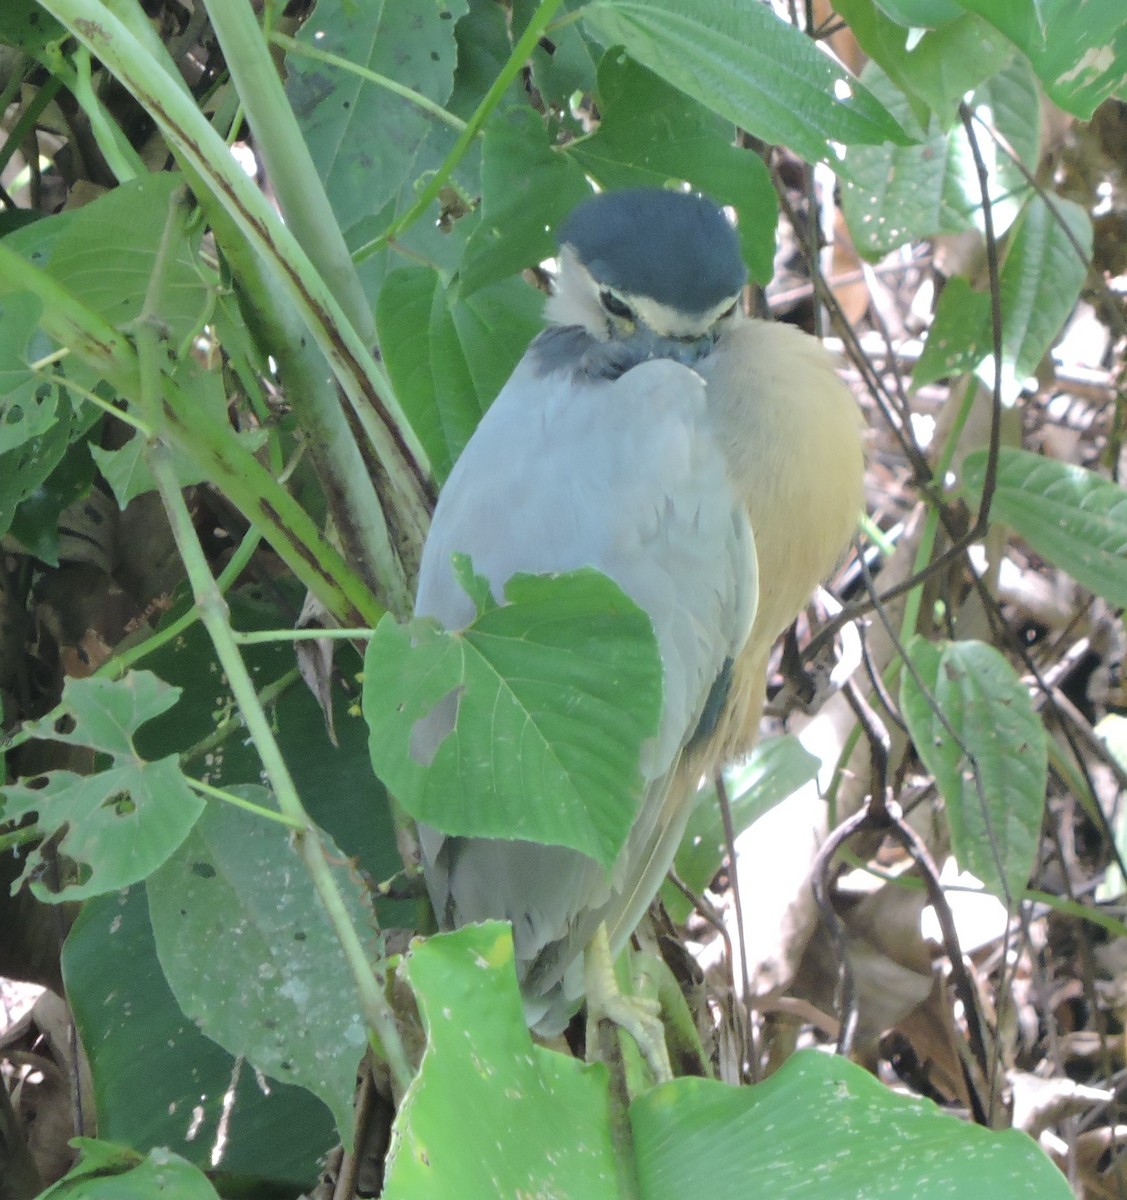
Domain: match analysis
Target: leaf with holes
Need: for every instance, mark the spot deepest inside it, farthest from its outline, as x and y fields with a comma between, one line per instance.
x=120, y=824
x=975, y=729
x=1073, y=517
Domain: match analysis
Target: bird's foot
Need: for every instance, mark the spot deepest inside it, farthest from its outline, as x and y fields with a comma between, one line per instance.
x=607, y=1005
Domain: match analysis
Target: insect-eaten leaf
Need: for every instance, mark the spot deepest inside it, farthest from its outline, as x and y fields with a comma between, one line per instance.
x=118, y=825
x=527, y=724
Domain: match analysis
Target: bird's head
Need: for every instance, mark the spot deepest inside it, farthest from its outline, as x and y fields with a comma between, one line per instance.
x=651, y=266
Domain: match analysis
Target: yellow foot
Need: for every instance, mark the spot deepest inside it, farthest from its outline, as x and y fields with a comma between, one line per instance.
x=639, y=1016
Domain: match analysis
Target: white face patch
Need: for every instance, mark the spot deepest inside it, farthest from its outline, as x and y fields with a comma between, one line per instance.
x=577, y=301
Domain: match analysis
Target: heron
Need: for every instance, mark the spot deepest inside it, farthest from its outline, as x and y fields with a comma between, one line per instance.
x=711, y=465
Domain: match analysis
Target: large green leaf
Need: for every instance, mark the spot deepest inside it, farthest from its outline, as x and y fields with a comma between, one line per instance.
x=251, y=957
x=987, y=749
x=743, y=62
x=822, y=1126
x=109, y=1173
x=650, y=133
x=549, y=698
x=939, y=66
x=489, y=1113
x=195, y=1100
x=1079, y=51
x=106, y=252
x=449, y=354
x=364, y=139
x=120, y=824
x=899, y=194
x=1073, y=517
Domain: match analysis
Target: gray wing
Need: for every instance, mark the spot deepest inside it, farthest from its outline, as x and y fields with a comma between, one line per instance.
x=626, y=476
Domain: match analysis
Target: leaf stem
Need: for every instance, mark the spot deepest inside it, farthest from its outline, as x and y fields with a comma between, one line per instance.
x=513, y=65
x=214, y=614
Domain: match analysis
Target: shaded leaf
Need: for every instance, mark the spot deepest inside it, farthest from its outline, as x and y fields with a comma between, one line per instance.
x=508, y=1119
x=125, y=1015
x=124, y=227
x=365, y=140
x=250, y=955
x=988, y=754
x=650, y=133
x=120, y=824
x=449, y=354
x=749, y=66
x=818, y=1127
x=539, y=709
x=1074, y=518
x=528, y=186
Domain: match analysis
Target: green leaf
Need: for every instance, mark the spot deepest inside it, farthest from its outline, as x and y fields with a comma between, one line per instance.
x=900, y=194
x=746, y=64
x=112, y=1173
x=194, y=1089
x=35, y=523
x=564, y=63
x=1074, y=518
x=120, y=824
x=25, y=25
x=1041, y=278
x=27, y=402
x=528, y=186
x=122, y=230
x=959, y=337
x=775, y=769
x=650, y=133
x=509, y=1118
x=940, y=66
x=988, y=754
x=1079, y=51
x=547, y=698
x=250, y=955
x=368, y=143
x=819, y=1127
x=922, y=14
x=449, y=355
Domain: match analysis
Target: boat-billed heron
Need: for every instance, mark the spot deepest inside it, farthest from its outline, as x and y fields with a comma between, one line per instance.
x=711, y=466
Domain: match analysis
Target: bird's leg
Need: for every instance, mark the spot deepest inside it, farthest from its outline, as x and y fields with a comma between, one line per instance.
x=639, y=1016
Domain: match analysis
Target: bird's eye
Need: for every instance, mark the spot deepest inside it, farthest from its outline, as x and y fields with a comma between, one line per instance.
x=615, y=307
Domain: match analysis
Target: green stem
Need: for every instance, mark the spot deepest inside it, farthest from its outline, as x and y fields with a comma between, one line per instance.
x=405, y=488
x=256, y=637
x=267, y=814
x=513, y=66
x=213, y=613
x=289, y=165
x=291, y=46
